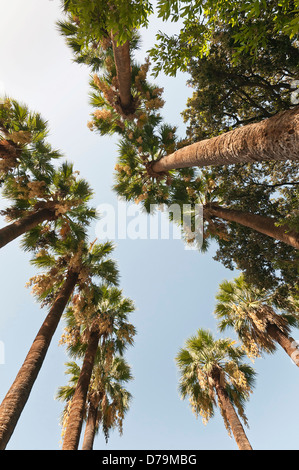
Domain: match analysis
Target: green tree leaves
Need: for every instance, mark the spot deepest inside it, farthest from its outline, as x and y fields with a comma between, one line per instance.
x=94, y=20
x=253, y=23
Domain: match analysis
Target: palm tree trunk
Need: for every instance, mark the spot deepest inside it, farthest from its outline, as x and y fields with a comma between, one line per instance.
x=18, y=394
x=23, y=225
x=90, y=429
x=285, y=341
x=262, y=224
x=275, y=138
x=123, y=72
x=76, y=415
x=232, y=417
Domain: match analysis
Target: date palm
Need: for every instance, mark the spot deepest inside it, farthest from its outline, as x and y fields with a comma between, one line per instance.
x=251, y=313
x=70, y=265
x=212, y=373
x=101, y=317
x=48, y=201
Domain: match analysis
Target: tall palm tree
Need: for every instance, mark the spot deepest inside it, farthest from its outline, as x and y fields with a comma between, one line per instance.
x=103, y=316
x=263, y=224
x=274, y=138
x=60, y=199
x=92, y=29
x=251, y=313
x=211, y=373
x=107, y=400
x=72, y=263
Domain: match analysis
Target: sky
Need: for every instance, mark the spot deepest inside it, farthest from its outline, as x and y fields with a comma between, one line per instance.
x=173, y=288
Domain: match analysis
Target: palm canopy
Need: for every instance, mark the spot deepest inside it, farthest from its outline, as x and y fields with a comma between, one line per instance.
x=249, y=311
x=108, y=117
x=111, y=381
x=87, y=30
x=23, y=145
x=138, y=151
x=105, y=308
x=63, y=193
x=87, y=24
x=107, y=392
x=200, y=361
x=104, y=37
x=72, y=254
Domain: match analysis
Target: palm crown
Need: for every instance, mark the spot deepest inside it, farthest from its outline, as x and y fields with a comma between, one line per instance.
x=97, y=318
x=23, y=145
x=89, y=261
x=63, y=193
x=250, y=311
x=201, y=363
x=104, y=308
x=107, y=392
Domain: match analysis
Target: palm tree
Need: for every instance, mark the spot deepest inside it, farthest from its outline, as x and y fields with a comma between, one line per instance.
x=23, y=143
x=107, y=400
x=251, y=312
x=102, y=51
x=103, y=315
x=59, y=199
x=92, y=30
x=122, y=61
x=72, y=263
x=274, y=138
x=204, y=190
x=263, y=224
x=211, y=369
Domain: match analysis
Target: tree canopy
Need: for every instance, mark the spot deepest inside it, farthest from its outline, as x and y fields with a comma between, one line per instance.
x=253, y=25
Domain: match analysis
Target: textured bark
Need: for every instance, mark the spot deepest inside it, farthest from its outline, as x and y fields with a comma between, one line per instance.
x=21, y=226
x=90, y=429
x=262, y=224
x=123, y=72
x=275, y=138
x=285, y=341
x=76, y=414
x=232, y=417
x=18, y=394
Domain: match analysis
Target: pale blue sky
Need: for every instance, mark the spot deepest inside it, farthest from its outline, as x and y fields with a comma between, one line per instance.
x=173, y=288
